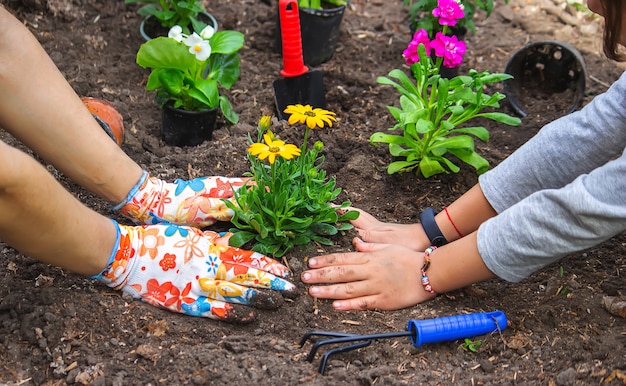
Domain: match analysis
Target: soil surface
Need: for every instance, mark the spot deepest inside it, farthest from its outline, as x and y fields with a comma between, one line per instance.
x=59, y=328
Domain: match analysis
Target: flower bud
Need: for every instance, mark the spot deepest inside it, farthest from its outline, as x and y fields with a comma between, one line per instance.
x=207, y=32
x=176, y=33
x=319, y=145
x=265, y=122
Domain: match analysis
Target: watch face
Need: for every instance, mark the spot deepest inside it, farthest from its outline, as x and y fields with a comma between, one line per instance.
x=439, y=241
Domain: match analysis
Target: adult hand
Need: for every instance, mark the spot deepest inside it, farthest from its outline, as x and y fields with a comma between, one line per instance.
x=377, y=276
x=198, y=202
x=374, y=231
x=192, y=272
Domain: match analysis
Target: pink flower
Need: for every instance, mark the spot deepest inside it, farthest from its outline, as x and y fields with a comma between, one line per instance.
x=449, y=12
x=411, y=54
x=449, y=48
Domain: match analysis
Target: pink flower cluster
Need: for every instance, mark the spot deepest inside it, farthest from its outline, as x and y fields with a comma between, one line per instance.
x=449, y=12
x=450, y=48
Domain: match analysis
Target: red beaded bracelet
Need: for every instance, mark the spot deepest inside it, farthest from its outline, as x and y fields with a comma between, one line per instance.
x=425, y=281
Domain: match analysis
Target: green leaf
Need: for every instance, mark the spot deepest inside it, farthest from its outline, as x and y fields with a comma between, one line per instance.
x=321, y=240
x=240, y=238
x=430, y=167
x=398, y=151
x=165, y=53
x=386, y=138
x=349, y=216
x=471, y=158
x=323, y=229
x=258, y=226
x=401, y=166
x=206, y=92
x=226, y=42
x=344, y=227
x=456, y=142
x=424, y=126
x=478, y=131
x=228, y=111
x=225, y=69
x=502, y=118
x=170, y=80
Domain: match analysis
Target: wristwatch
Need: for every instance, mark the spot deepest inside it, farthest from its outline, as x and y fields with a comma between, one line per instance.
x=427, y=218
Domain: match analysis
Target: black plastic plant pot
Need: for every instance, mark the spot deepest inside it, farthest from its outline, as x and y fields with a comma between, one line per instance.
x=547, y=72
x=187, y=128
x=320, y=29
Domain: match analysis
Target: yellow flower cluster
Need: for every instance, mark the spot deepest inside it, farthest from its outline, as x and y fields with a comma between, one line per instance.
x=272, y=148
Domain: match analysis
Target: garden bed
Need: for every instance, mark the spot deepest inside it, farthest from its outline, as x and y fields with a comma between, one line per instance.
x=57, y=327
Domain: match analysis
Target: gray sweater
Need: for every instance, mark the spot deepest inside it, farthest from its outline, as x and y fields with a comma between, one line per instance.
x=563, y=191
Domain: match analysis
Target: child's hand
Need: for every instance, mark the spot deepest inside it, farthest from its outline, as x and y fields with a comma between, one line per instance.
x=378, y=276
x=372, y=230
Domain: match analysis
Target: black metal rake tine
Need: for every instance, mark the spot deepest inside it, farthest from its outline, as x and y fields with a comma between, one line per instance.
x=313, y=333
x=338, y=350
x=354, y=338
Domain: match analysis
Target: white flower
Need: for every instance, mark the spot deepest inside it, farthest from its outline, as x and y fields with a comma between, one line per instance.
x=176, y=33
x=198, y=46
x=207, y=32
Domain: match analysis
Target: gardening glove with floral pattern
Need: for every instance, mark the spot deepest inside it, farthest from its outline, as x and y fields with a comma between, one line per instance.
x=186, y=270
x=196, y=202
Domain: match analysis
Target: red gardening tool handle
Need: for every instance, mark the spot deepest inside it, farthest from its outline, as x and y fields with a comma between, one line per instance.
x=293, y=62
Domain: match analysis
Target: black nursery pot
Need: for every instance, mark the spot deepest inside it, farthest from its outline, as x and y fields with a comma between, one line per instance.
x=320, y=30
x=547, y=70
x=187, y=128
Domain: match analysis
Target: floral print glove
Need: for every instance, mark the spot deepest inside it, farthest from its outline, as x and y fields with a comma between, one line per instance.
x=186, y=270
x=196, y=202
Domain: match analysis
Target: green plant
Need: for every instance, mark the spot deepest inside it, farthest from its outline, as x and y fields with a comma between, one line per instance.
x=421, y=14
x=582, y=7
x=173, y=12
x=188, y=69
x=471, y=345
x=434, y=111
x=317, y=4
x=288, y=202
x=563, y=290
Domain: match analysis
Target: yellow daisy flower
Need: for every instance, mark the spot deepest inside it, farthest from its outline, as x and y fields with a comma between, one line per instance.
x=273, y=148
x=311, y=116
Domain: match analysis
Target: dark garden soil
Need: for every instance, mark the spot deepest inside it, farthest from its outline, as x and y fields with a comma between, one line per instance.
x=60, y=328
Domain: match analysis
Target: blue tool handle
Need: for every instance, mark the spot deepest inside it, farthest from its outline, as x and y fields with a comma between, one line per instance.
x=449, y=328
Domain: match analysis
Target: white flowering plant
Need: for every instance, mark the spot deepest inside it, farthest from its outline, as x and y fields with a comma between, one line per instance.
x=188, y=70
x=173, y=12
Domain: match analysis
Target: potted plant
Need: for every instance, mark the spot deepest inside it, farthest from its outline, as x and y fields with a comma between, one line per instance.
x=320, y=25
x=187, y=72
x=287, y=201
x=435, y=111
x=161, y=15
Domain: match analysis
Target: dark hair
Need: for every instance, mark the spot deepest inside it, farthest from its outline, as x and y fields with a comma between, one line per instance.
x=613, y=10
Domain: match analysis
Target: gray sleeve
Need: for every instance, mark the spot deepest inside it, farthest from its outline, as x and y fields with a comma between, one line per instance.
x=561, y=192
x=562, y=150
x=553, y=223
